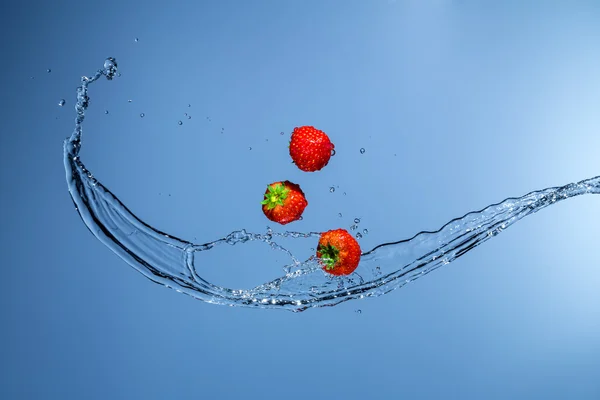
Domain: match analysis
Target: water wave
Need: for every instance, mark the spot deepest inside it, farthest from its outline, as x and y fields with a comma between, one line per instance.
x=171, y=261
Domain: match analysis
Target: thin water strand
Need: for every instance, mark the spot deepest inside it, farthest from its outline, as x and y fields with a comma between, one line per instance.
x=173, y=262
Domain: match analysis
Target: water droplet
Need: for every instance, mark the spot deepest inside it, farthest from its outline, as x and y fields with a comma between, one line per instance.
x=189, y=117
x=353, y=227
x=359, y=311
x=331, y=189
x=312, y=249
x=136, y=40
x=362, y=151
x=61, y=102
x=344, y=193
x=48, y=70
x=189, y=105
x=142, y=115
x=110, y=68
x=179, y=122
x=365, y=231
x=105, y=111
x=249, y=148
x=340, y=215
x=281, y=133
x=357, y=220
x=358, y=235
x=129, y=101
x=332, y=152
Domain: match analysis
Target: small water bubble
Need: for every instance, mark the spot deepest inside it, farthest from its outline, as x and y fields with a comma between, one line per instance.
x=357, y=220
x=189, y=105
x=48, y=70
x=179, y=122
x=358, y=235
x=136, y=40
x=340, y=215
x=331, y=189
x=344, y=193
x=189, y=117
x=353, y=227
x=62, y=102
x=105, y=111
x=312, y=249
x=281, y=133
x=142, y=115
x=362, y=150
x=365, y=231
x=300, y=218
x=249, y=148
x=129, y=101
x=332, y=152
x=359, y=311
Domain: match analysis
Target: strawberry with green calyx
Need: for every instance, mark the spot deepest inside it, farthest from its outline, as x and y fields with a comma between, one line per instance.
x=338, y=252
x=310, y=148
x=284, y=202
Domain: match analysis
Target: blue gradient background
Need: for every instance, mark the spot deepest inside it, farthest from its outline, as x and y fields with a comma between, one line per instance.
x=458, y=104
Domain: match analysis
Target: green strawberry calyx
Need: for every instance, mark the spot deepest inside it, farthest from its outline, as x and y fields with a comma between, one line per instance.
x=275, y=196
x=330, y=255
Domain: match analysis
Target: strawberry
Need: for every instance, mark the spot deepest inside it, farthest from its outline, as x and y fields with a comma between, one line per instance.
x=339, y=252
x=284, y=202
x=310, y=148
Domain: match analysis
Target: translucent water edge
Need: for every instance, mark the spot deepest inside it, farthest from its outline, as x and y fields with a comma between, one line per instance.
x=171, y=261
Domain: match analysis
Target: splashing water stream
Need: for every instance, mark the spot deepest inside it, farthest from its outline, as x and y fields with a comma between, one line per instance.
x=172, y=262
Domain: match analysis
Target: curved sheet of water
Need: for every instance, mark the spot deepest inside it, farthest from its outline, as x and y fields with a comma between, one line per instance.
x=172, y=262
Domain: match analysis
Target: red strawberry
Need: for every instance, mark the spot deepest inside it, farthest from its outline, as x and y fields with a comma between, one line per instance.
x=284, y=202
x=339, y=252
x=310, y=148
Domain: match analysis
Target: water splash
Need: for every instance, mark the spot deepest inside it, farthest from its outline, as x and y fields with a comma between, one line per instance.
x=172, y=262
